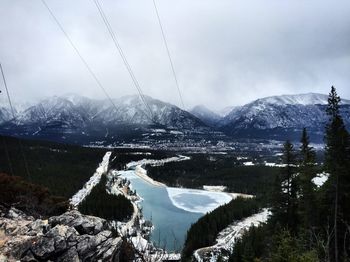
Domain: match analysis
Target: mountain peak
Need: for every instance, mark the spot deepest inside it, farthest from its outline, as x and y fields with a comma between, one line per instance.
x=298, y=99
x=206, y=115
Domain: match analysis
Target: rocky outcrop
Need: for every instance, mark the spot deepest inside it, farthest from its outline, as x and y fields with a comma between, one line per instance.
x=68, y=237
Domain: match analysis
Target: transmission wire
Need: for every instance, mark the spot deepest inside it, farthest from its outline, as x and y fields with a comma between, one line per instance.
x=122, y=54
x=168, y=53
x=79, y=54
x=14, y=117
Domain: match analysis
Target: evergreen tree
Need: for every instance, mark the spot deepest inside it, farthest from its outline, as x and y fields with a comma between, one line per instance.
x=284, y=202
x=337, y=164
x=307, y=171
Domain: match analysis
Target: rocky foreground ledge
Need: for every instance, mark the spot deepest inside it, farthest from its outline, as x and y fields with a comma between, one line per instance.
x=68, y=237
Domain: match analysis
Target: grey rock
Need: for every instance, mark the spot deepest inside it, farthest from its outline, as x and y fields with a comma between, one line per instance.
x=70, y=256
x=83, y=224
x=68, y=237
x=44, y=247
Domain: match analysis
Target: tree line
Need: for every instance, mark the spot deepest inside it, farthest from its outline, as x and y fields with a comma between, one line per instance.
x=225, y=171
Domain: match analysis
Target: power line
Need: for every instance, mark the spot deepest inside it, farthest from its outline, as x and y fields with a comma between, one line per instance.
x=79, y=54
x=86, y=63
x=168, y=52
x=14, y=117
x=7, y=91
x=122, y=54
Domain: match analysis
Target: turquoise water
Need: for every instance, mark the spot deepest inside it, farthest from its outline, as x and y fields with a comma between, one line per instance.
x=171, y=223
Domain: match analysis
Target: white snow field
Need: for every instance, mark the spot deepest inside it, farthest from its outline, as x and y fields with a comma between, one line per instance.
x=197, y=201
x=93, y=181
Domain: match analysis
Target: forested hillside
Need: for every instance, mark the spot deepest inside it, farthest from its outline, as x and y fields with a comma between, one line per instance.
x=200, y=170
x=309, y=223
x=62, y=168
x=204, y=232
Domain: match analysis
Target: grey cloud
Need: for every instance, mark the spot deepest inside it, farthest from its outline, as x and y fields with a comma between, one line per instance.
x=225, y=52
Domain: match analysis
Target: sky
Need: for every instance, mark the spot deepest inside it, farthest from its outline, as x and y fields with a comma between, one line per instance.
x=225, y=52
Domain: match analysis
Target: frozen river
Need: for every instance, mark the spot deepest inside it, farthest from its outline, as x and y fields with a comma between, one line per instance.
x=173, y=210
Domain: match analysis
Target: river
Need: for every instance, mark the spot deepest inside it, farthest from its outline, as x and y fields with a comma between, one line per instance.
x=173, y=210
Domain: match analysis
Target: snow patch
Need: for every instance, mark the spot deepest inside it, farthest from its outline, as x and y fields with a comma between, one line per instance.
x=274, y=164
x=93, y=181
x=215, y=188
x=320, y=179
x=155, y=162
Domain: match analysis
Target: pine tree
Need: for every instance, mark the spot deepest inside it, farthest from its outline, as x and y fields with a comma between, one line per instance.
x=284, y=196
x=307, y=171
x=337, y=164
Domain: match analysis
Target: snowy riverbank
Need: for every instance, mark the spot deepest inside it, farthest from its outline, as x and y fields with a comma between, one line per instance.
x=227, y=238
x=156, y=162
x=142, y=173
x=93, y=181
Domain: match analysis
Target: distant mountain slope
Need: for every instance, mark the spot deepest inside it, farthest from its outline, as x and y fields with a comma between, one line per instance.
x=78, y=116
x=5, y=114
x=207, y=116
x=280, y=116
x=227, y=110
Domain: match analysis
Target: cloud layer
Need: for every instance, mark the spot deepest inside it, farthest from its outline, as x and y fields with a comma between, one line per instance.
x=225, y=52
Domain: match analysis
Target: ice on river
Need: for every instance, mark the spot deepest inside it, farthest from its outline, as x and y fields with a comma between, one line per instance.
x=197, y=201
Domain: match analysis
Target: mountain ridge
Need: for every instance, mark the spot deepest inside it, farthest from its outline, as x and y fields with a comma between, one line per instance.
x=72, y=114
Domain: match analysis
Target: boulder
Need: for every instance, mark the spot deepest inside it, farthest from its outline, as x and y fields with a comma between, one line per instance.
x=68, y=237
x=83, y=224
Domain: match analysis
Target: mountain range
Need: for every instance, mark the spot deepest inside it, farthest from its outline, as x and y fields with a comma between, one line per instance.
x=75, y=118
x=79, y=119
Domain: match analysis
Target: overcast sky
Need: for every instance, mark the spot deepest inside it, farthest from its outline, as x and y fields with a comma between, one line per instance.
x=225, y=52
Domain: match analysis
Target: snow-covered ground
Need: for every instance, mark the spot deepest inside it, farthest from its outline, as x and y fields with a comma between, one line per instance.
x=214, y=188
x=250, y=163
x=197, y=201
x=320, y=179
x=156, y=162
x=228, y=237
x=93, y=181
x=274, y=164
x=150, y=253
x=142, y=173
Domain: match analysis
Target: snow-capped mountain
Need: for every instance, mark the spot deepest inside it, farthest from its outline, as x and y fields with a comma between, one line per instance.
x=288, y=113
x=54, y=109
x=73, y=117
x=300, y=99
x=207, y=116
x=76, y=115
